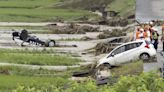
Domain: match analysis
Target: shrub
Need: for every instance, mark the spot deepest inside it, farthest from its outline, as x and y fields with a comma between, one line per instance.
x=146, y=82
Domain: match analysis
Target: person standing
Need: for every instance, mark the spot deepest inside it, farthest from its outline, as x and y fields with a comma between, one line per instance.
x=155, y=36
x=141, y=34
x=147, y=33
x=137, y=33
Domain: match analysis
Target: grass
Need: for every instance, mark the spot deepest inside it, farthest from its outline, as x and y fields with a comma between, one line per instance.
x=26, y=3
x=39, y=15
x=36, y=58
x=39, y=78
x=128, y=69
x=36, y=11
x=9, y=82
x=84, y=4
x=125, y=7
x=22, y=71
x=50, y=10
x=28, y=51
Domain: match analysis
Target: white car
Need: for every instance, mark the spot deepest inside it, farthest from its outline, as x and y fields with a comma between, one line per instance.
x=128, y=52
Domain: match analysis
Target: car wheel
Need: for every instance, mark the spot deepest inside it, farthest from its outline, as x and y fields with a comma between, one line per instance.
x=144, y=56
x=51, y=43
x=107, y=66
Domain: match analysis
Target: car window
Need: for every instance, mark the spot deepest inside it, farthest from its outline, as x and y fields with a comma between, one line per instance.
x=139, y=44
x=119, y=50
x=133, y=45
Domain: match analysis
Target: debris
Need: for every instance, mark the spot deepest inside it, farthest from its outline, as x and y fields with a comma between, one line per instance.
x=117, y=21
x=103, y=48
x=113, y=33
x=83, y=18
x=6, y=72
x=72, y=28
x=109, y=44
x=57, y=19
x=86, y=38
x=82, y=74
x=102, y=81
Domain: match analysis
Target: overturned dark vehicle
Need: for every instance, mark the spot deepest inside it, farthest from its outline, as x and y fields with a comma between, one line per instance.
x=24, y=39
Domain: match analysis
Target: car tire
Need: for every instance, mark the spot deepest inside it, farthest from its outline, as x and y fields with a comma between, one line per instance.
x=50, y=43
x=144, y=56
x=107, y=65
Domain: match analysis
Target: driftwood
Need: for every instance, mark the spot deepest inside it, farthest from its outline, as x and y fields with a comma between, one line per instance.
x=113, y=33
x=72, y=28
x=109, y=44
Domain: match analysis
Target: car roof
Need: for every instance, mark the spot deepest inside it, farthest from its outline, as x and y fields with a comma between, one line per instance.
x=126, y=44
x=131, y=42
x=134, y=42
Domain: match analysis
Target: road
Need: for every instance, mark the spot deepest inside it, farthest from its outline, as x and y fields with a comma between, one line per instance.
x=147, y=10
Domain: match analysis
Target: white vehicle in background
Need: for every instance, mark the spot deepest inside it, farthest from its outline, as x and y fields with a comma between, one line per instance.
x=128, y=52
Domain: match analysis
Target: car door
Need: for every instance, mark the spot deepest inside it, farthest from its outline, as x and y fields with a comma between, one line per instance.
x=118, y=55
x=132, y=51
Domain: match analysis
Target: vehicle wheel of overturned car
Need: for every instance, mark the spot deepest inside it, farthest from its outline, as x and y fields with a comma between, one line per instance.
x=144, y=57
x=50, y=43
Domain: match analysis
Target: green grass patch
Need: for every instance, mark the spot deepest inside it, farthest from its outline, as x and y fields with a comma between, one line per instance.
x=36, y=11
x=83, y=4
x=9, y=82
x=28, y=51
x=26, y=3
x=36, y=58
x=146, y=82
x=128, y=69
x=24, y=71
x=39, y=15
x=125, y=7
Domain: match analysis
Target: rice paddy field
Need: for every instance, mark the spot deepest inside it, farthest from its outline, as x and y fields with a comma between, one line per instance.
x=126, y=78
x=36, y=11
x=36, y=58
x=16, y=79
x=10, y=82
